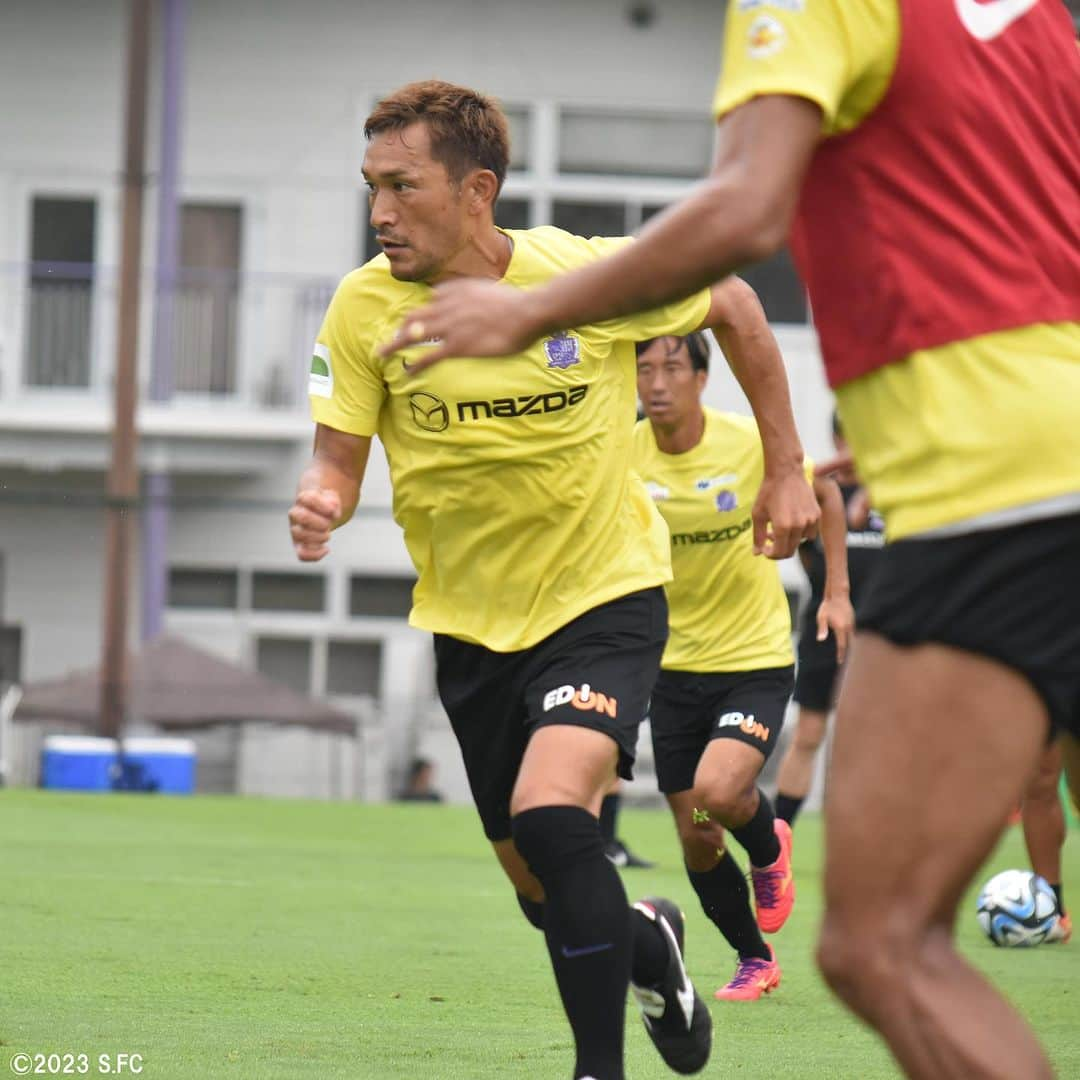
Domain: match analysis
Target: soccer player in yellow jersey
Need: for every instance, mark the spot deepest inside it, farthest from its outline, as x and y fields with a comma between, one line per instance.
x=540, y=557
x=728, y=670
x=924, y=157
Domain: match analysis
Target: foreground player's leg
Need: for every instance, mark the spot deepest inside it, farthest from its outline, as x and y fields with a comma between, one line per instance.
x=933, y=746
x=586, y=920
x=797, y=768
x=1043, y=820
x=593, y=938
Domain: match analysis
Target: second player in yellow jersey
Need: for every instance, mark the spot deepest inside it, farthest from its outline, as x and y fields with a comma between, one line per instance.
x=727, y=673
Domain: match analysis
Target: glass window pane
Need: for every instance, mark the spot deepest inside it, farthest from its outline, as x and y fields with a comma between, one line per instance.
x=60, y=293
x=777, y=283
x=369, y=246
x=651, y=144
x=590, y=219
x=512, y=213
x=288, y=592
x=202, y=588
x=285, y=660
x=206, y=302
x=520, y=123
x=354, y=667
x=10, y=655
x=384, y=596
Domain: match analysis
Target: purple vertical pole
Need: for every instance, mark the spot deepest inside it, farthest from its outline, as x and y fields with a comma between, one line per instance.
x=158, y=485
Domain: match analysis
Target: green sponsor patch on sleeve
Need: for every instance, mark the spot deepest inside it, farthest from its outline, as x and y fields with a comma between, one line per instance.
x=321, y=375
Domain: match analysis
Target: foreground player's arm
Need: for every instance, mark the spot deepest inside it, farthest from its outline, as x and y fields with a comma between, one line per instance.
x=328, y=491
x=835, y=612
x=740, y=214
x=785, y=510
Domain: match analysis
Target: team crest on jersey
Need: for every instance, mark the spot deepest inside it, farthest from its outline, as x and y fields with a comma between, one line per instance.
x=726, y=500
x=766, y=37
x=562, y=351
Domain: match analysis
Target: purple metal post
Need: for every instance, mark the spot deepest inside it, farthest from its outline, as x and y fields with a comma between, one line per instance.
x=158, y=484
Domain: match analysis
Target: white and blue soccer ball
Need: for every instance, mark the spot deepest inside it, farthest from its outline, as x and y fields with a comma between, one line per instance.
x=1017, y=908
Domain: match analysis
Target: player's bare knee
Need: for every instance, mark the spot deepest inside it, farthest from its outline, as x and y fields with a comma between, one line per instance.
x=723, y=804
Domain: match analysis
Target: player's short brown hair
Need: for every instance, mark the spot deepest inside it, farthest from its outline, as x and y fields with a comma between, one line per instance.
x=468, y=130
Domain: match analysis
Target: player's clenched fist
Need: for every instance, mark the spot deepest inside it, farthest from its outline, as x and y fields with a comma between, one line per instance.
x=311, y=519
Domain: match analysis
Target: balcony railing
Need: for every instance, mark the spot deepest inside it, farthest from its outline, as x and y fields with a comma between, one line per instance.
x=243, y=339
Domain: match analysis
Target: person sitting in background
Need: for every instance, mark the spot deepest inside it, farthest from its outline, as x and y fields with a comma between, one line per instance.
x=418, y=785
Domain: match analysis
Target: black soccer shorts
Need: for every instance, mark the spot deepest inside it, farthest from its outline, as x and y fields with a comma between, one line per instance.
x=595, y=672
x=689, y=709
x=817, y=671
x=1011, y=594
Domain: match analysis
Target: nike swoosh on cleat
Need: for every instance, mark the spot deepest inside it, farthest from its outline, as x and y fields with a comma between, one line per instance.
x=990, y=20
x=585, y=950
x=686, y=1003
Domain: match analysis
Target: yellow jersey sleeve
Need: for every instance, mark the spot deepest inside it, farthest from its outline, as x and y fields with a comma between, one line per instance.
x=345, y=385
x=839, y=54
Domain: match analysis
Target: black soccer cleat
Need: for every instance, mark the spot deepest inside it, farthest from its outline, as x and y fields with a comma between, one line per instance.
x=677, y=1020
x=624, y=858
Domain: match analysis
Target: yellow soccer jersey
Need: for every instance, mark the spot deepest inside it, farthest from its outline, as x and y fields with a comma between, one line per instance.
x=948, y=437
x=511, y=477
x=727, y=607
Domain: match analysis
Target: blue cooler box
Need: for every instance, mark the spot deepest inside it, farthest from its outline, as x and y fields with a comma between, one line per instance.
x=77, y=762
x=161, y=764
x=88, y=763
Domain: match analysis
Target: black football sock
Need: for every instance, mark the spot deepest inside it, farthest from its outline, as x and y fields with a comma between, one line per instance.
x=609, y=815
x=788, y=806
x=725, y=898
x=587, y=928
x=533, y=910
x=758, y=837
x=1060, y=896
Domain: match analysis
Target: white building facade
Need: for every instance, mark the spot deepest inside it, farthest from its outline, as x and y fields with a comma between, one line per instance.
x=609, y=107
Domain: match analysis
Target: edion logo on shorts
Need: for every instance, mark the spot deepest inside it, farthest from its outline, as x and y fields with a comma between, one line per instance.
x=746, y=723
x=584, y=698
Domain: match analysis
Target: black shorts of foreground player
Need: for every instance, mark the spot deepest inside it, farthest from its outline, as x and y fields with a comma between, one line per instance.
x=877, y=133
x=727, y=672
x=539, y=555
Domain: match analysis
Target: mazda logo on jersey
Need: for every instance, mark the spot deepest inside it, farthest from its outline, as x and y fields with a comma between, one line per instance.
x=429, y=412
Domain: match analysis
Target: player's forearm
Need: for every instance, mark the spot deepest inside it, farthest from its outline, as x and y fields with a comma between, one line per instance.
x=754, y=358
x=325, y=473
x=833, y=537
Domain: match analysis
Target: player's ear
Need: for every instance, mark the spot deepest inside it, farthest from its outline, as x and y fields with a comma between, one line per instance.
x=481, y=188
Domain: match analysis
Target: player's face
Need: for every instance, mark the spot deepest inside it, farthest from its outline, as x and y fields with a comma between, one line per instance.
x=668, y=386
x=418, y=213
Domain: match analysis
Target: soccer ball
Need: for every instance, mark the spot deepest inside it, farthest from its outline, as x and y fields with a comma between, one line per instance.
x=1017, y=909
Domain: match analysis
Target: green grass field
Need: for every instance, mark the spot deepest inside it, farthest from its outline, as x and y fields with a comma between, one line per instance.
x=247, y=938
